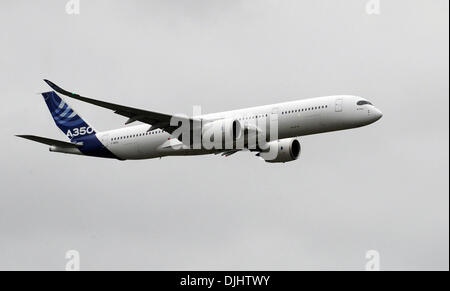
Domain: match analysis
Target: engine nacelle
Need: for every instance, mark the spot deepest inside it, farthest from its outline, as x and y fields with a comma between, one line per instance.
x=228, y=130
x=282, y=151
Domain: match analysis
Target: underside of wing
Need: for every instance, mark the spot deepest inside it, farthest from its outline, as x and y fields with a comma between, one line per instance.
x=228, y=153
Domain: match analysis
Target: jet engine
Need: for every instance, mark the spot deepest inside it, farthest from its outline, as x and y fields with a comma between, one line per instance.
x=281, y=151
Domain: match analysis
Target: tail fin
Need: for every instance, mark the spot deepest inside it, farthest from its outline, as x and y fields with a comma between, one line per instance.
x=73, y=126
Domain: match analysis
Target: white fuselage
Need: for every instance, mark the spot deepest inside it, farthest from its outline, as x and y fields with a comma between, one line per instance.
x=296, y=118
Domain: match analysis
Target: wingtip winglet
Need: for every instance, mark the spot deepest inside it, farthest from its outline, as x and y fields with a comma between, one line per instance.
x=51, y=84
x=59, y=89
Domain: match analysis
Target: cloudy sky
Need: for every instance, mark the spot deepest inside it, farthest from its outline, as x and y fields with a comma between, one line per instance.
x=382, y=187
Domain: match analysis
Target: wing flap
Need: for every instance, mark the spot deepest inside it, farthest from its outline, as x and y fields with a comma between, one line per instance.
x=228, y=153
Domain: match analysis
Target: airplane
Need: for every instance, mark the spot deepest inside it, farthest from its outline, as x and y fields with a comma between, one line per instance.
x=157, y=136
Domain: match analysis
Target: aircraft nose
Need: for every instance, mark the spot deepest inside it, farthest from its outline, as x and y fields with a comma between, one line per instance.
x=376, y=114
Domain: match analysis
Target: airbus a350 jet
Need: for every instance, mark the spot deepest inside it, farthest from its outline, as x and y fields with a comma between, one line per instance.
x=159, y=136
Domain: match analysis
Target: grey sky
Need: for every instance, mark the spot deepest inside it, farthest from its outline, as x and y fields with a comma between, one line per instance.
x=382, y=187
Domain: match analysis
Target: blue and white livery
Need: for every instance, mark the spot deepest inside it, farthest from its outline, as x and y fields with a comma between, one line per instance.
x=159, y=134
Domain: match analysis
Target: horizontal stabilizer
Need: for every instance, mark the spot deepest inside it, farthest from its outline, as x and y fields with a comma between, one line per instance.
x=51, y=142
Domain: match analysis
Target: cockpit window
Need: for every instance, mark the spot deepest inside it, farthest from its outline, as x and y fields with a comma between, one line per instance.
x=363, y=102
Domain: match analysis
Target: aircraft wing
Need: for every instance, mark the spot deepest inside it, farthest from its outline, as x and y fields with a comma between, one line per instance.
x=228, y=153
x=51, y=142
x=155, y=119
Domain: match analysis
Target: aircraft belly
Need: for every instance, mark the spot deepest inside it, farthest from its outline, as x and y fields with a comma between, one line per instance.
x=149, y=148
x=125, y=151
